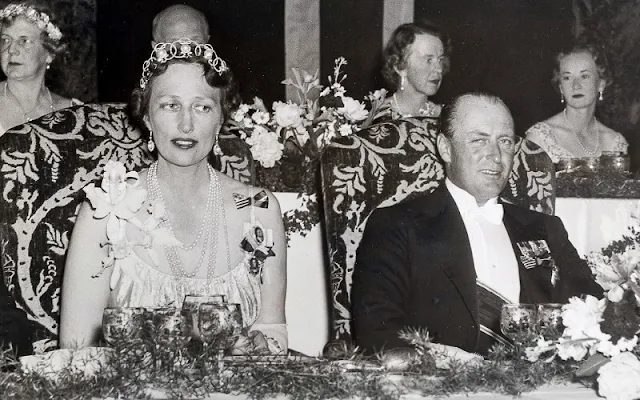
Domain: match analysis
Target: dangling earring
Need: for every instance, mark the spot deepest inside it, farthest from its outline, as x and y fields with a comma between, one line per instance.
x=150, y=144
x=601, y=97
x=561, y=99
x=48, y=66
x=216, y=147
x=401, y=83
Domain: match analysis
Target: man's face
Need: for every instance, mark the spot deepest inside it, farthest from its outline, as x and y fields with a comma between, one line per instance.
x=479, y=157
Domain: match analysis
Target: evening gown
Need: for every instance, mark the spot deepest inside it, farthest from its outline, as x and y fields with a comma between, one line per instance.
x=540, y=133
x=135, y=283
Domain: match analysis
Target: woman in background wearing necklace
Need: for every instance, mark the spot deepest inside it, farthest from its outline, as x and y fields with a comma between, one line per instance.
x=414, y=62
x=185, y=94
x=581, y=75
x=30, y=41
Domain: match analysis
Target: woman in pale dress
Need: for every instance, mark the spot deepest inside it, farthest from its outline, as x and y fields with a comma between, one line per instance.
x=582, y=77
x=30, y=43
x=210, y=225
x=415, y=60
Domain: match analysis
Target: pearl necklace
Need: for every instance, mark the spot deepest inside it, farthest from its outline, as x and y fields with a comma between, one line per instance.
x=427, y=109
x=26, y=113
x=213, y=209
x=582, y=146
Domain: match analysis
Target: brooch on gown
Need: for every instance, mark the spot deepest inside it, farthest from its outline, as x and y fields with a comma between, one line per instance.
x=258, y=244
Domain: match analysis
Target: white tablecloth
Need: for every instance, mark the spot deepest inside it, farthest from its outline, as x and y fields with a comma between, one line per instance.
x=594, y=223
x=307, y=303
x=551, y=392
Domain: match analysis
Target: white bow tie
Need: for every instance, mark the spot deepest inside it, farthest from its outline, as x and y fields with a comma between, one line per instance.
x=492, y=212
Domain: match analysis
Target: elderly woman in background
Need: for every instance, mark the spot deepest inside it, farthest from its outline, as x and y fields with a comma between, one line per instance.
x=581, y=75
x=29, y=44
x=196, y=230
x=414, y=62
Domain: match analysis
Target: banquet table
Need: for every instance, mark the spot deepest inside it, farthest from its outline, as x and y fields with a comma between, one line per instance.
x=595, y=213
x=572, y=391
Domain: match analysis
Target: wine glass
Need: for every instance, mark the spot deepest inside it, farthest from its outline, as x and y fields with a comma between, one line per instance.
x=518, y=321
x=170, y=330
x=550, y=320
x=217, y=324
x=120, y=324
x=191, y=304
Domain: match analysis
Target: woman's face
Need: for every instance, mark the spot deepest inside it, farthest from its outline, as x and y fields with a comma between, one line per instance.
x=22, y=54
x=580, y=81
x=425, y=63
x=184, y=114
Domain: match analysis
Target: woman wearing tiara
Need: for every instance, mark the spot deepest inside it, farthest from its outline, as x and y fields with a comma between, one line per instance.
x=414, y=62
x=581, y=75
x=30, y=42
x=179, y=227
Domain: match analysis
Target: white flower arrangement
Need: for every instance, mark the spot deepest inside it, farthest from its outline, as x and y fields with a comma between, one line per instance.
x=306, y=128
x=606, y=328
x=42, y=20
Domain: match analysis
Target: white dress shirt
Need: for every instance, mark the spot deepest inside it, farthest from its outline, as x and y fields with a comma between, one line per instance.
x=493, y=257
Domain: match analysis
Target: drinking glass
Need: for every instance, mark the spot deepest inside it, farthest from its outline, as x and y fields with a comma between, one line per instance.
x=122, y=324
x=550, y=320
x=518, y=321
x=219, y=326
x=191, y=304
x=170, y=325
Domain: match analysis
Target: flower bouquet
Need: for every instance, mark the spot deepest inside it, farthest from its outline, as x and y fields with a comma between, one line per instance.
x=301, y=131
x=603, y=333
x=287, y=142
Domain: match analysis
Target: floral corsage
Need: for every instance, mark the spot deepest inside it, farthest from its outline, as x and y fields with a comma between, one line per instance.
x=119, y=198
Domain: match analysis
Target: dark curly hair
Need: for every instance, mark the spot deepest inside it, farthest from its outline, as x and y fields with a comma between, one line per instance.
x=54, y=47
x=395, y=52
x=225, y=82
x=581, y=46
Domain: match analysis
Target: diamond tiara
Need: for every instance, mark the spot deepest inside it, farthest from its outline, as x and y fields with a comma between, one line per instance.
x=183, y=48
x=42, y=20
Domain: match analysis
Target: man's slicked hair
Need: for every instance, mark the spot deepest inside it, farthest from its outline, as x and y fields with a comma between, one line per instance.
x=450, y=115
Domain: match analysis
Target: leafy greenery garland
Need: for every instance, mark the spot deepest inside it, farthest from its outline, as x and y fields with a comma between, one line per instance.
x=147, y=369
x=604, y=184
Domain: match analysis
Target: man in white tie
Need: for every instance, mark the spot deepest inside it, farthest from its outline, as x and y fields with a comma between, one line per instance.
x=179, y=21
x=447, y=261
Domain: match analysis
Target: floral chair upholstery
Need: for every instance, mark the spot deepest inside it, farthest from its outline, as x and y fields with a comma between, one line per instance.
x=386, y=164
x=44, y=165
x=532, y=182
x=380, y=166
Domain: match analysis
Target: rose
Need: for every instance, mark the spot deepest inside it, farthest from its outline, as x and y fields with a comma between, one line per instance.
x=287, y=114
x=353, y=109
x=620, y=378
x=265, y=146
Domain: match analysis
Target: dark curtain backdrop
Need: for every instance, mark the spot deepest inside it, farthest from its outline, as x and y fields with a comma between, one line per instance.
x=248, y=34
x=504, y=46
x=352, y=29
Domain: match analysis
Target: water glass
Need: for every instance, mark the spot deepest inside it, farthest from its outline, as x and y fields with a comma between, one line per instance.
x=170, y=325
x=191, y=304
x=550, y=320
x=592, y=164
x=518, y=321
x=122, y=324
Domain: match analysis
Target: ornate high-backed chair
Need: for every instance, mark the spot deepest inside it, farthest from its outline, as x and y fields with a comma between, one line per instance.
x=44, y=165
x=386, y=164
x=532, y=182
x=379, y=166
